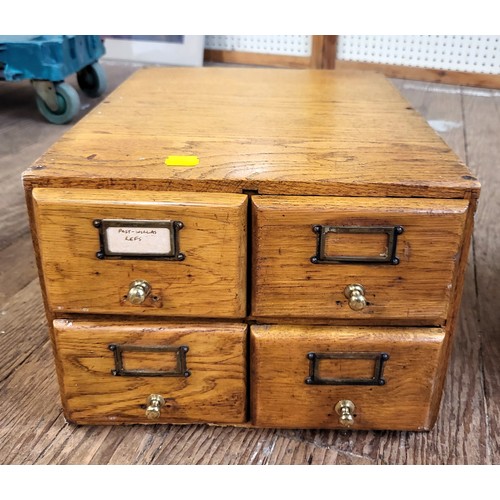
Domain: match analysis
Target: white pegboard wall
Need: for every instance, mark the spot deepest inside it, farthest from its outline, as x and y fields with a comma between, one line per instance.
x=291, y=45
x=467, y=53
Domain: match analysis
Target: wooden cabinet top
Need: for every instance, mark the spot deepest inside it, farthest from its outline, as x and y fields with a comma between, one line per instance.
x=271, y=131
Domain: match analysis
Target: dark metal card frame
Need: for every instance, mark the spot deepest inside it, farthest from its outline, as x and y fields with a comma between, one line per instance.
x=392, y=233
x=174, y=226
x=180, y=370
x=379, y=358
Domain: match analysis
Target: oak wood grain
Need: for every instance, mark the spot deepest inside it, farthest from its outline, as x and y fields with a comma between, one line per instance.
x=280, y=397
x=418, y=288
x=275, y=131
x=209, y=282
x=355, y=104
x=215, y=390
x=466, y=429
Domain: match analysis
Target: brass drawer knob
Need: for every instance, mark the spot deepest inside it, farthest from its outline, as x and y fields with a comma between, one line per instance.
x=356, y=295
x=345, y=408
x=155, y=403
x=138, y=291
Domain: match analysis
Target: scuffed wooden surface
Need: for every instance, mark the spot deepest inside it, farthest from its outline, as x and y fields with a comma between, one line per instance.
x=256, y=129
x=33, y=430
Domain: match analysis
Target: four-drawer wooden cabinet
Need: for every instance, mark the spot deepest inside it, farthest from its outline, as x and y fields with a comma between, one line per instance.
x=252, y=247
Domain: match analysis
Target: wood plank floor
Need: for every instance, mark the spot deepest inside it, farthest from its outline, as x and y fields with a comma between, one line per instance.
x=33, y=430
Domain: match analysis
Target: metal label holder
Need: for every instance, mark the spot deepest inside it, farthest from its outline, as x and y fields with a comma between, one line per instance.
x=180, y=370
x=377, y=379
x=392, y=233
x=174, y=227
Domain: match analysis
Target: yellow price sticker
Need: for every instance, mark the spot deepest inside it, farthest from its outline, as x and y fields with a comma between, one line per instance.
x=182, y=161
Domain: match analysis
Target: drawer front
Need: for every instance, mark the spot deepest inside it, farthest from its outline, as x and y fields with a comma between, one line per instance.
x=303, y=377
x=359, y=258
x=108, y=372
x=143, y=253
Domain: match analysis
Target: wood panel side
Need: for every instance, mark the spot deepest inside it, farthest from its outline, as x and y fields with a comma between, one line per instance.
x=462, y=265
x=28, y=193
x=454, y=310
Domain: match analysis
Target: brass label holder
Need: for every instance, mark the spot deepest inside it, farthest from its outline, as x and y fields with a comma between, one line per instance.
x=180, y=370
x=389, y=257
x=376, y=379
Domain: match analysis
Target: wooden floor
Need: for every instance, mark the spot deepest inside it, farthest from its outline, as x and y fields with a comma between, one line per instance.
x=33, y=430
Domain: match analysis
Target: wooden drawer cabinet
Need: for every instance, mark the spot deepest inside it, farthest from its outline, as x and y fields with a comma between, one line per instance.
x=254, y=247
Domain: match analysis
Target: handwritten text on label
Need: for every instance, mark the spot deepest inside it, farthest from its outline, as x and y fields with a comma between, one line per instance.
x=138, y=240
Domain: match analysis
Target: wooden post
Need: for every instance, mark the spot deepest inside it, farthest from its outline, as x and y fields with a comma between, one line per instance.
x=324, y=51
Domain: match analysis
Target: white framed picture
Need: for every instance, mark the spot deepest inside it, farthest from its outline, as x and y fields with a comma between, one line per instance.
x=174, y=50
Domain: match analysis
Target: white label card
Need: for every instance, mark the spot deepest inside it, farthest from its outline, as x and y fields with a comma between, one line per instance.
x=130, y=240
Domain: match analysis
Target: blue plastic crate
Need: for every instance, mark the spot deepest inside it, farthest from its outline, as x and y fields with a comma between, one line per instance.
x=47, y=60
x=52, y=58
